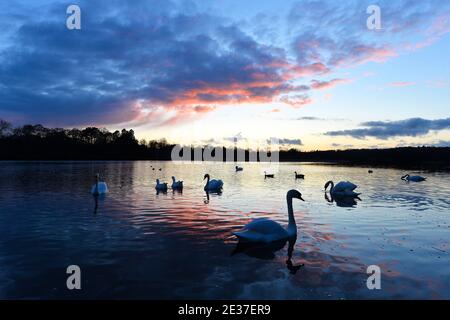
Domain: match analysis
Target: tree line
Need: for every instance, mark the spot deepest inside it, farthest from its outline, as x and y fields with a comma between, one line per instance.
x=36, y=142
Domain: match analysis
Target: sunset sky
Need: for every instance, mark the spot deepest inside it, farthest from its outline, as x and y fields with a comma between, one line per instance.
x=206, y=71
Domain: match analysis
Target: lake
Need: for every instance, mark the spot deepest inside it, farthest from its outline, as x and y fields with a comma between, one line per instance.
x=137, y=244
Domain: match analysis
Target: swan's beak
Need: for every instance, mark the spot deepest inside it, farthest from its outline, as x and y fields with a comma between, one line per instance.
x=301, y=198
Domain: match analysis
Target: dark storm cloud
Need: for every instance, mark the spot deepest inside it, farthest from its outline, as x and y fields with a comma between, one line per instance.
x=386, y=129
x=129, y=58
x=164, y=62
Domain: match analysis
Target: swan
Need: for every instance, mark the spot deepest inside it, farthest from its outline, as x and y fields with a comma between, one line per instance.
x=266, y=231
x=239, y=168
x=99, y=187
x=370, y=171
x=299, y=176
x=342, y=189
x=268, y=175
x=407, y=177
x=161, y=186
x=212, y=185
x=176, y=185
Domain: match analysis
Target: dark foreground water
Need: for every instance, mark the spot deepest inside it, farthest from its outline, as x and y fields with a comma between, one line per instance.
x=137, y=244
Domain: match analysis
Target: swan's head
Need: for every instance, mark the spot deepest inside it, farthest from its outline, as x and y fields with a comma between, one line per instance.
x=173, y=178
x=405, y=176
x=97, y=177
x=157, y=181
x=295, y=194
x=327, y=184
x=206, y=176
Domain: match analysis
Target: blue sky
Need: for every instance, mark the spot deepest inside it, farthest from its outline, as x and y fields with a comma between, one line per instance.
x=308, y=72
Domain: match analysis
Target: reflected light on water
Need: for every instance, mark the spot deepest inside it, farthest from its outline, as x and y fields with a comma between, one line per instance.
x=137, y=243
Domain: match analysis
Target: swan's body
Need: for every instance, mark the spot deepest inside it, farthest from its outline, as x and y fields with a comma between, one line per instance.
x=161, y=186
x=212, y=185
x=239, y=168
x=342, y=189
x=268, y=175
x=176, y=185
x=299, y=176
x=266, y=230
x=99, y=187
x=413, y=178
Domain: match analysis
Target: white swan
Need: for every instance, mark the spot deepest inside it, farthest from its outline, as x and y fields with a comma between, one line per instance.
x=265, y=230
x=176, y=185
x=342, y=189
x=161, y=186
x=99, y=187
x=407, y=177
x=212, y=185
x=239, y=168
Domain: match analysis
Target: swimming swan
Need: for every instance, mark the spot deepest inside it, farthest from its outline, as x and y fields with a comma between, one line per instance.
x=212, y=185
x=271, y=175
x=299, y=176
x=176, y=185
x=161, y=186
x=239, y=168
x=99, y=187
x=342, y=189
x=265, y=230
x=407, y=177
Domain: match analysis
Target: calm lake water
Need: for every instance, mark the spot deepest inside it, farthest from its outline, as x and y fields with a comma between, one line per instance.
x=139, y=244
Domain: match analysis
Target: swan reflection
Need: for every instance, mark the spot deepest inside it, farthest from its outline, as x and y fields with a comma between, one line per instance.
x=266, y=251
x=207, y=193
x=97, y=197
x=344, y=202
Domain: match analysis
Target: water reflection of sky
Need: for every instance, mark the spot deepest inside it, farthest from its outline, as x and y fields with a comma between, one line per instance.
x=141, y=244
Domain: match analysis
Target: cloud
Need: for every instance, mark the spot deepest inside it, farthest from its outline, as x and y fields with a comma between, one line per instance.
x=163, y=62
x=315, y=84
x=285, y=141
x=296, y=101
x=387, y=129
x=310, y=118
x=401, y=84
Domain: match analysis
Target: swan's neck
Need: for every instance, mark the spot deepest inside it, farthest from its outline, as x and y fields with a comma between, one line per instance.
x=331, y=186
x=292, y=226
x=207, y=181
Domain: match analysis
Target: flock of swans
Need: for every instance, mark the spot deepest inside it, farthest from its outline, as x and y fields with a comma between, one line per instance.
x=262, y=230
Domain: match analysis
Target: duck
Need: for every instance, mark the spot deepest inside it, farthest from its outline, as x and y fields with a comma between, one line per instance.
x=212, y=185
x=99, y=187
x=176, y=185
x=271, y=175
x=299, y=176
x=407, y=177
x=342, y=189
x=239, y=168
x=161, y=186
x=266, y=231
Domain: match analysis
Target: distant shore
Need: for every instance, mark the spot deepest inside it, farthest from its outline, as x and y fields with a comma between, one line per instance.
x=38, y=143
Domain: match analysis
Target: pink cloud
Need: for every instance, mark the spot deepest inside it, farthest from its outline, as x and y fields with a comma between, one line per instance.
x=316, y=84
x=400, y=84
